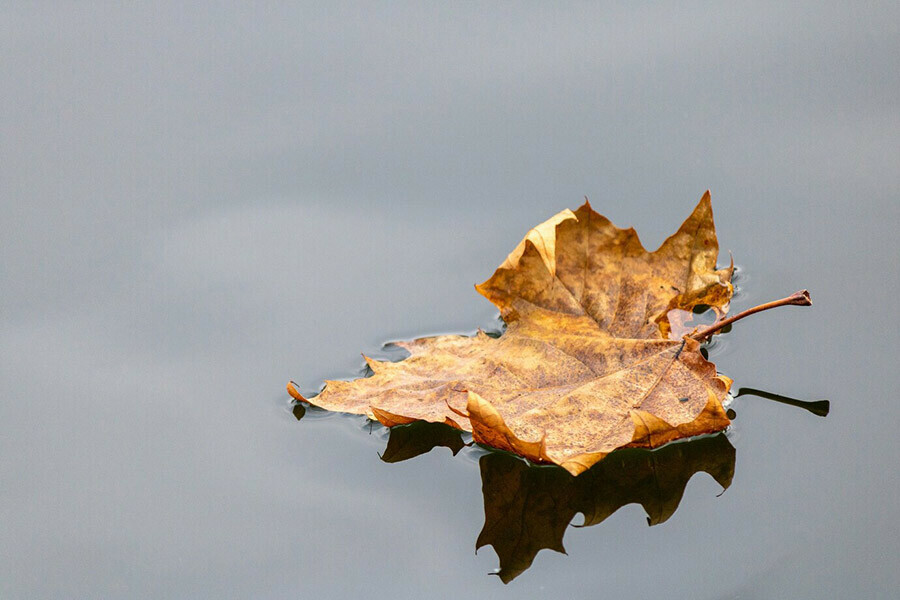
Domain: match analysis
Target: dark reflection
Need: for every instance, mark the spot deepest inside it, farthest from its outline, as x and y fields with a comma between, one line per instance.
x=409, y=441
x=298, y=410
x=818, y=407
x=527, y=508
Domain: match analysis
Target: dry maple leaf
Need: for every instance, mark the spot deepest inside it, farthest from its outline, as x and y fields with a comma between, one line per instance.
x=586, y=364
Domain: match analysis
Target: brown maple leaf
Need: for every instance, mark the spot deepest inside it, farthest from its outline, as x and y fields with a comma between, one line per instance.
x=586, y=364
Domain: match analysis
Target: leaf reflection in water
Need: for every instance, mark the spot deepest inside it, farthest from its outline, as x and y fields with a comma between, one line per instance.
x=528, y=508
x=409, y=441
x=820, y=408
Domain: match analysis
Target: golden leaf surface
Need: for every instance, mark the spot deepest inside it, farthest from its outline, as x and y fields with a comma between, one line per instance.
x=585, y=365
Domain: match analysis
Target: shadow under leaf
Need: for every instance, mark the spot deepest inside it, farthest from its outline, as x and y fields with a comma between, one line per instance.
x=409, y=441
x=528, y=508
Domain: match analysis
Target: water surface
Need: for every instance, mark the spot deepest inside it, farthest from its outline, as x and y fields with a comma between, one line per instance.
x=202, y=203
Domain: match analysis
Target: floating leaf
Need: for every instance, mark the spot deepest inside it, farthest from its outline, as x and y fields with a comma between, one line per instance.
x=589, y=361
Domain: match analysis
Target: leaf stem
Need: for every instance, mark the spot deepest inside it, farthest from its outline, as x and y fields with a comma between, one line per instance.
x=800, y=298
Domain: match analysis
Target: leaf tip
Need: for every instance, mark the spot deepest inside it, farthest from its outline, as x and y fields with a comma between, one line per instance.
x=389, y=419
x=294, y=391
x=373, y=364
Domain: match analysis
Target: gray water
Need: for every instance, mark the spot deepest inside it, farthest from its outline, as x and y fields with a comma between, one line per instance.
x=202, y=203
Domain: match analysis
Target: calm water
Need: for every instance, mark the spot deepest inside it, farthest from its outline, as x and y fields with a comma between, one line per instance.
x=200, y=204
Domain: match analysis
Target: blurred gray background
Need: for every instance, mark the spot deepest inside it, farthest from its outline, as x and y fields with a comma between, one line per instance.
x=201, y=202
